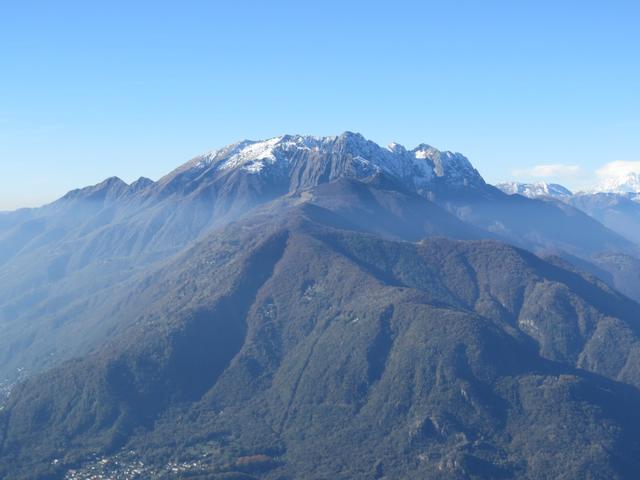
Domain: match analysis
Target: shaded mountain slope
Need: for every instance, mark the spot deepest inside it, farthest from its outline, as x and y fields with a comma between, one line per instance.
x=68, y=315
x=624, y=271
x=337, y=353
x=535, y=224
x=619, y=212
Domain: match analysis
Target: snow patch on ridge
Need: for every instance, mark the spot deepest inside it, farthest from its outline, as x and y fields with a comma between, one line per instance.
x=253, y=156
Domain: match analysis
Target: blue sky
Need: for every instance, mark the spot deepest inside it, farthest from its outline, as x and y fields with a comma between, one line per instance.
x=94, y=89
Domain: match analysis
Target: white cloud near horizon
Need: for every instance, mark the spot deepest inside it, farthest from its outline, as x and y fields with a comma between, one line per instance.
x=558, y=170
x=618, y=168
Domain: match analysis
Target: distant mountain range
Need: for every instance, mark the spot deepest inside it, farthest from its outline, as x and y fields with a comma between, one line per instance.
x=535, y=190
x=628, y=186
x=625, y=183
x=618, y=209
x=320, y=307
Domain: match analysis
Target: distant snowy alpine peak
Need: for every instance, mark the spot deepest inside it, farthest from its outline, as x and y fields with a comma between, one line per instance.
x=625, y=183
x=535, y=190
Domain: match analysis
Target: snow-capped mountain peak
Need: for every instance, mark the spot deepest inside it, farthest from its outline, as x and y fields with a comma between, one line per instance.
x=306, y=160
x=628, y=182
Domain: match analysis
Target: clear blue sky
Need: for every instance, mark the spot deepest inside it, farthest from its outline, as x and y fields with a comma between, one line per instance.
x=94, y=89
